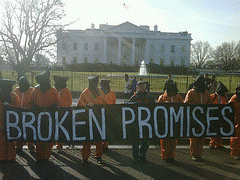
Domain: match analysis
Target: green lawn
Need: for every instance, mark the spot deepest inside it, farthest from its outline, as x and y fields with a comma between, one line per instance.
x=78, y=80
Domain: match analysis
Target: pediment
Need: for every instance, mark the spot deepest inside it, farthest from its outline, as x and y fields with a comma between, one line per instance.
x=128, y=27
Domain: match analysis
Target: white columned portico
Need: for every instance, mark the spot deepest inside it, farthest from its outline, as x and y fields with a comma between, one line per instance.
x=133, y=51
x=119, y=50
x=146, y=58
x=105, y=50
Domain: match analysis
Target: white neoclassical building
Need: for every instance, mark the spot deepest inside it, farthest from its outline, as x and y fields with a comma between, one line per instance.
x=121, y=44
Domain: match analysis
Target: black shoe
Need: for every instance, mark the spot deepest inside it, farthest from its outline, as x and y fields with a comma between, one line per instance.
x=99, y=160
x=197, y=159
x=85, y=162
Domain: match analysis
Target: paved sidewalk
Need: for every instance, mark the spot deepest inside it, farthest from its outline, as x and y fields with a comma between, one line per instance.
x=118, y=164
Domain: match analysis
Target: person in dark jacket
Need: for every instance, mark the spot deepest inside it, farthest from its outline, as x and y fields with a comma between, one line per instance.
x=140, y=146
x=169, y=80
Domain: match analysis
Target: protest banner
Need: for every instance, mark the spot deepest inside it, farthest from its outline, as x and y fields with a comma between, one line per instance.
x=119, y=122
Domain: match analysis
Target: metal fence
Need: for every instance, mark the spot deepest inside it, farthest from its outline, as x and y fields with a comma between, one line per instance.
x=78, y=80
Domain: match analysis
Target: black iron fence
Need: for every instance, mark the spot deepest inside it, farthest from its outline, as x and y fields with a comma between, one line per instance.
x=78, y=80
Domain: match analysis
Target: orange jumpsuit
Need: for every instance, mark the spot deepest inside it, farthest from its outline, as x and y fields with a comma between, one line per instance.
x=217, y=99
x=43, y=150
x=85, y=98
x=195, y=97
x=64, y=100
x=168, y=146
x=24, y=103
x=110, y=99
x=7, y=149
x=235, y=141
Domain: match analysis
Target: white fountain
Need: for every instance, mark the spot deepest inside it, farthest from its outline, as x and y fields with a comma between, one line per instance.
x=143, y=69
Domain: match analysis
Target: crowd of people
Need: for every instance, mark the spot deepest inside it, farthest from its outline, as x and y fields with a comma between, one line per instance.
x=202, y=91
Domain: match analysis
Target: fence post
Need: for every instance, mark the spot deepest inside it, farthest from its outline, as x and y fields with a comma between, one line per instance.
x=71, y=80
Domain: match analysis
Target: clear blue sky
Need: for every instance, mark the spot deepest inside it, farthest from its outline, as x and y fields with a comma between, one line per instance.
x=215, y=21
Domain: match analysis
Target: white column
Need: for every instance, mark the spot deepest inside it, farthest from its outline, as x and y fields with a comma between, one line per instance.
x=146, y=59
x=104, y=50
x=133, y=51
x=119, y=51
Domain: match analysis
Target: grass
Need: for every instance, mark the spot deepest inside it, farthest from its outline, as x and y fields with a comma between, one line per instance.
x=78, y=80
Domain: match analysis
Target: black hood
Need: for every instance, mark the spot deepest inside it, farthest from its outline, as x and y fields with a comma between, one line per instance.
x=199, y=84
x=221, y=89
x=60, y=82
x=23, y=84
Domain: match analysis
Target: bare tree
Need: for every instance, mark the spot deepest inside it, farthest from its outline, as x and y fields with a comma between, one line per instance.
x=201, y=52
x=226, y=56
x=28, y=27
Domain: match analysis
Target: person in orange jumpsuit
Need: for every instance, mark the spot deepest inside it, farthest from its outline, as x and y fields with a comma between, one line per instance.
x=140, y=146
x=44, y=96
x=219, y=97
x=235, y=141
x=168, y=146
x=64, y=98
x=90, y=96
x=7, y=97
x=110, y=98
x=24, y=92
x=197, y=95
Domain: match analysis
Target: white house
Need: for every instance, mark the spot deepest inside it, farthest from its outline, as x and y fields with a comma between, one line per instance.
x=125, y=43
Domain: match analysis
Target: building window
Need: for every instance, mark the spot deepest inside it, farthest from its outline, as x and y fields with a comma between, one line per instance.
x=85, y=46
x=64, y=45
x=85, y=60
x=162, y=48
x=172, y=62
x=64, y=60
x=75, y=46
x=183, y=48
x=161, y=62
x=96, y=46
x=172, y=48
x=74, y=60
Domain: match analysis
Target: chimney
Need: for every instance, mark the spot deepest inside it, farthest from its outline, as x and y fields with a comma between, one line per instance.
x=155, y=28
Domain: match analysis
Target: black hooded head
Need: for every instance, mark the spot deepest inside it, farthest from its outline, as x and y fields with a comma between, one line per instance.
x=43, y=80
x=93, y=84
x=104, y=85
x=60, y=82
x=171, y=89
x=221, y=89
x=5, y=90
x=23, y=84
x=199, y=84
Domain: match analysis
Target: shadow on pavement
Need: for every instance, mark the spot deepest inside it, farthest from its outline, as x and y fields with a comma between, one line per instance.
x=47, y=170
x=13, y=170
x=92, y=170
x=151, y=169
